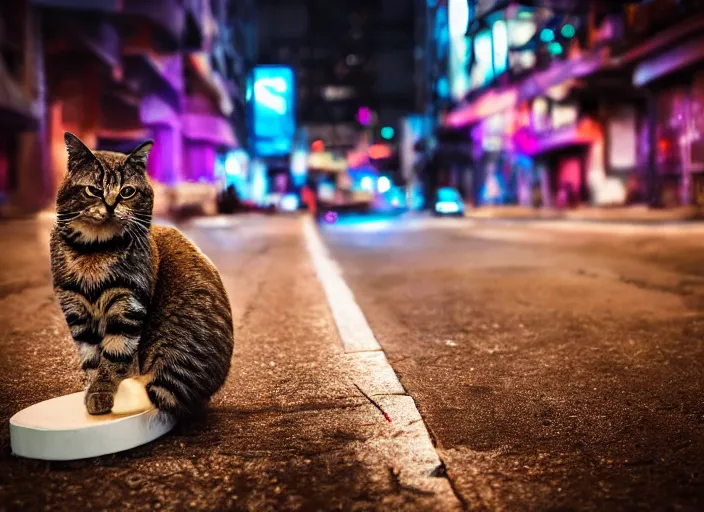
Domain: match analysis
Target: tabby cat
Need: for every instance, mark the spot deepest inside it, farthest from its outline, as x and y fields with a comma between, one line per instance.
x=140, y=300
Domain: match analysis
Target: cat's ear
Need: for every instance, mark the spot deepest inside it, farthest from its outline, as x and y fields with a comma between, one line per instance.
x=140, y=154
x=77, y=151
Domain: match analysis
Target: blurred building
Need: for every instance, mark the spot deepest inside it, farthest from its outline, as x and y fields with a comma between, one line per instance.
x=116, y=73
x=354, y=67
x=346, y=55
x=561, y=103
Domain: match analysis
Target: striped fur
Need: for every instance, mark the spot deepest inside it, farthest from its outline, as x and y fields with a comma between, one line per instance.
x=138, y=299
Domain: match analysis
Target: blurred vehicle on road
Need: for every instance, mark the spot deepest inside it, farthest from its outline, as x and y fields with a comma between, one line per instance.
x=448, y=201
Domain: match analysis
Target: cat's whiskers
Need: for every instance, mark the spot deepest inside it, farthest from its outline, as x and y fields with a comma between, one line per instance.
x=139, y=238
x=143, y=225
x=63, y=222
x=142, y=222
x=67, y=216
x=136, y=238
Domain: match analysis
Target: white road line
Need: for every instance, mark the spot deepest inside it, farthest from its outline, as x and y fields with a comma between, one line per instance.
x=405, y=444
x=355, y=333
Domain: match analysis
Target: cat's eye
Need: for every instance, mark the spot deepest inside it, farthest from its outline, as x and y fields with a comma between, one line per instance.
x=93, y=192
x=127, y=192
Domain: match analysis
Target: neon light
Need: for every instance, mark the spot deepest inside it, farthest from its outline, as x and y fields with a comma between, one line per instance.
x=500, y=35
x=568, y=31
x=520, y=31
x=290, y=203
x=318, y=145
x=384, y=184
x=555, y=48
x=268, y=91
x=547, y=35
x=482, y=71
x=459, y=18
x=248, y=91
x=274, y=124
x=387, y=132
x=364, y=116
x=378, y=151
x=233, y=167
x=443, y=87
x=299, y=167
x=367, y=184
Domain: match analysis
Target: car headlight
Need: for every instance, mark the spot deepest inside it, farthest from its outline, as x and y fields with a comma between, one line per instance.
x=447, y=207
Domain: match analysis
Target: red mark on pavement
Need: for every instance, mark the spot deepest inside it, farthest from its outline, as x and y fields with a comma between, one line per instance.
x=371, y=401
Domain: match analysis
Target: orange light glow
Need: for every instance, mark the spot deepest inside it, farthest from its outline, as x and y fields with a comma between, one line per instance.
x=357, y=158
x=317, y=145
x=378, y=151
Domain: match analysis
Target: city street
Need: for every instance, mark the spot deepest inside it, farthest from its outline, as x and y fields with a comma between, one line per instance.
x=555, y=366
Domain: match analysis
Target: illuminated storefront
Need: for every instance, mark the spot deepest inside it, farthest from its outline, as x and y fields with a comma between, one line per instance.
x=547, y=109
x=679, y=142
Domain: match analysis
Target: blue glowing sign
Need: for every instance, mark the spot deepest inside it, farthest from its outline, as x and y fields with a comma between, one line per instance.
x=274, y=122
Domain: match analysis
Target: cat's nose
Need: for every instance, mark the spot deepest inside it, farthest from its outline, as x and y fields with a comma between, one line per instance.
x=99, y=212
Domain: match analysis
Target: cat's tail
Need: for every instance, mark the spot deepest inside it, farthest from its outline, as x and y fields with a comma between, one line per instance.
x=174, y=397
x=183, y=387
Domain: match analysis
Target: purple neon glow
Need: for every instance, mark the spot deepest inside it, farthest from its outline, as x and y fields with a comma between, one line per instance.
x=199, y=162
x=165, y=160
x=364, y=116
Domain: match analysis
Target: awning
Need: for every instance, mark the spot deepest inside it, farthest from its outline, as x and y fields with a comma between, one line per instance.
x=209, y=128
x=210, y=81
x=496, y=101
x=564, y=71
x=154, y=111
x=490, y=103
x=16, y=110
x=583, y=133
x=669, y=62
x=156, y=74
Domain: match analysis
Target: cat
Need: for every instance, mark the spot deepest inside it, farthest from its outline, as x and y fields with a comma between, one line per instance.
x=140, y=300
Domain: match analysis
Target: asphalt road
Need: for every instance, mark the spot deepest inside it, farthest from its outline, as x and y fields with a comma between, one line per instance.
x=554, y=369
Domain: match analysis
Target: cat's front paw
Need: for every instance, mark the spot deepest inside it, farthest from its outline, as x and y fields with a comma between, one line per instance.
x=99, y=402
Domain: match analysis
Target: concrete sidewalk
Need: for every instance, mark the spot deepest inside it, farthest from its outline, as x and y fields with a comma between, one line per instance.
x=626, y=214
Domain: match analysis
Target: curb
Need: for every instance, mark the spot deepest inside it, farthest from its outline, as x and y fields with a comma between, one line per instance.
x=408, y=447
